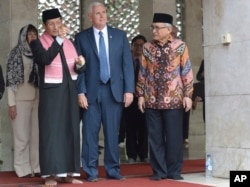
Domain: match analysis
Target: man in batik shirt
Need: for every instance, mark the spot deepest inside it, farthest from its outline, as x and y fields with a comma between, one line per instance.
x=165, y=87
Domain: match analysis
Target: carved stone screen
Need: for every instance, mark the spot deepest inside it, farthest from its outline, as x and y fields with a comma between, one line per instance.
x=179, y=17
x=70, y=11
x=124, y=14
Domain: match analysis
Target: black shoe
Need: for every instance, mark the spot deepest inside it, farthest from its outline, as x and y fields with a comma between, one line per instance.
x=27, y=176
x=177, y=177
x=37, y=174
x=116, y=177
x=92, y=179
x=155, y=178
x=100, y=146
x=145, y=160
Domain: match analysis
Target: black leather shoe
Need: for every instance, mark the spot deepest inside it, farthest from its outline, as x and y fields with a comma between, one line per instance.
x=37, y=174
x=116, y=177
x=177, y=177
x=155, y=178
x=27, y=176
x=100, y=147
x=145, y=160
x=92, y=179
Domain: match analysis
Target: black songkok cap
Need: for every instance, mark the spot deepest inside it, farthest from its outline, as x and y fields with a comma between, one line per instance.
x=51, y=14
x=162, y=18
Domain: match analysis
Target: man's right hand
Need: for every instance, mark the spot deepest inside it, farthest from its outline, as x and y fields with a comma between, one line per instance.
x=82, y=100
x=12, y=112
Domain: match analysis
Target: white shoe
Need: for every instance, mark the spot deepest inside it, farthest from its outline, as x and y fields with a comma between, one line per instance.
x=121, y=145
x=186, y=143
x=131, y=161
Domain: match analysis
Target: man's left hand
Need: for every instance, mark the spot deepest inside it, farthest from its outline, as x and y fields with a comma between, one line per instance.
x=80, y=60
x=187, y=103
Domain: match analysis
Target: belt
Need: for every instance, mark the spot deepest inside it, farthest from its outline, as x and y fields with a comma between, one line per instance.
x=105, y=83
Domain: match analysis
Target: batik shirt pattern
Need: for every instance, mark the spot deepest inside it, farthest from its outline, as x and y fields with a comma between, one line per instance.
x=165, y=75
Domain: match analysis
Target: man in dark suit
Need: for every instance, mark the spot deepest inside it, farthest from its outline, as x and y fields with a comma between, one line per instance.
x=135, y=123
x=103, y=97
x=199, y=89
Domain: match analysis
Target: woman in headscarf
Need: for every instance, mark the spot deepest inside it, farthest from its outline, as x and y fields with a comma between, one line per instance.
x=22, y=88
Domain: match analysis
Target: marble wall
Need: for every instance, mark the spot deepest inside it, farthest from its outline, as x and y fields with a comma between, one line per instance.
x=227, y=89
x=193, y=32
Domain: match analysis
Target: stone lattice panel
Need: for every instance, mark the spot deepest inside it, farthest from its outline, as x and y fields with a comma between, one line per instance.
x=179, y=17
x=69, y=9
x=124, y=14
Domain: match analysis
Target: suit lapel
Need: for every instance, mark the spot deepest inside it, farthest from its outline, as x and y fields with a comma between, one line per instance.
x=91, y=39
x=111, y=42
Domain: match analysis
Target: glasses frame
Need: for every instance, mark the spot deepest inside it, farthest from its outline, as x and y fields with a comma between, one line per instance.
x=152, y=27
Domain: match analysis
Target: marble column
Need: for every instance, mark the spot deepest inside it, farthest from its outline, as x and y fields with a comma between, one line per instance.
x=227, y=85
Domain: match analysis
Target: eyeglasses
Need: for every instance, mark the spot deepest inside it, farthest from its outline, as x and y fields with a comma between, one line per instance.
x=54, y=24
x=156, y=28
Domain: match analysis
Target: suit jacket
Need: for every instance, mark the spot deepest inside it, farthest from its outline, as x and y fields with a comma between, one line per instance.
x=120, y=59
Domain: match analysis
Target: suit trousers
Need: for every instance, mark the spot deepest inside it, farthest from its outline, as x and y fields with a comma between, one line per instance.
x=122, y=130
x=26, y=138
x=165, y=141
x=105, y=111
x=136, y=132
x=186, y=116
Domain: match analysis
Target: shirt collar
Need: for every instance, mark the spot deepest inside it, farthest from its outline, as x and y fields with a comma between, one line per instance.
x=169, y=40
x=104, y=31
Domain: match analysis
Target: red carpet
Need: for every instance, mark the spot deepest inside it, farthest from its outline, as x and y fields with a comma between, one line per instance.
x=137, y=176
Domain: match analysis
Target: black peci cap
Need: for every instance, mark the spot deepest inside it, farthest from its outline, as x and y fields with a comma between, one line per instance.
x=51, y=14
x=162, y=18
